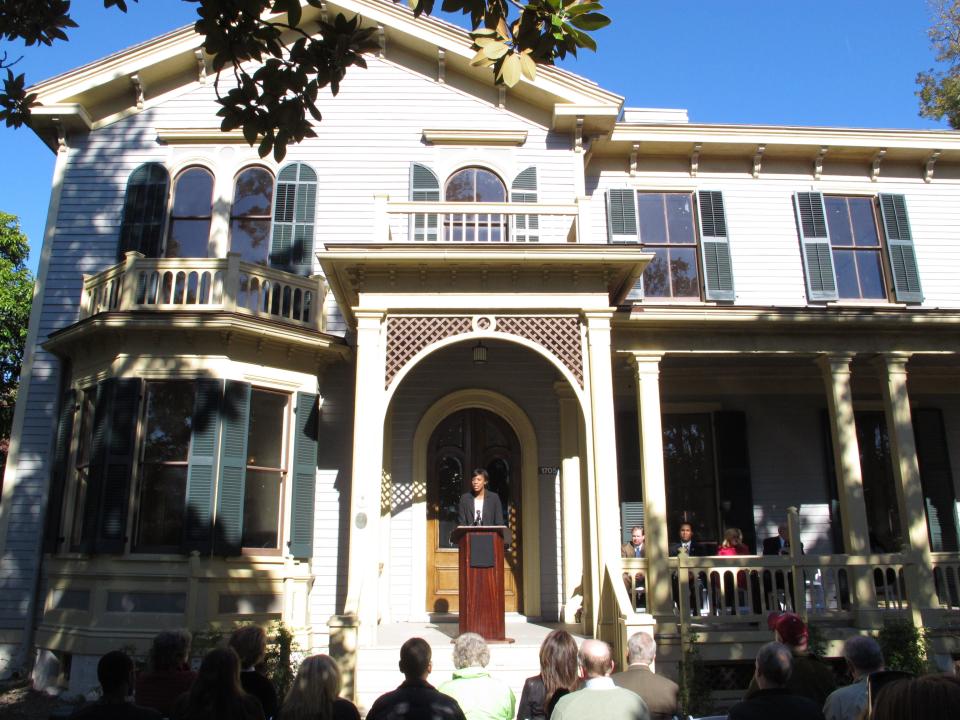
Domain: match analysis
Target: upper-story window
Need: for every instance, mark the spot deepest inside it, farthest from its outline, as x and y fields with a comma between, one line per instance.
x=189, y=233
x=685, y=265
x=144, y=208
x=294, y=215
x=250, y=215
x=855, y=243
x=475, y=185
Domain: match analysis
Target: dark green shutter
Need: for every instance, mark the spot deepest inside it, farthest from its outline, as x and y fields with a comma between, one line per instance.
x=424, y=187
x=936, y=479
x=304, y=475
x=815, y=244
x=235, y=414
x=733, y=474
x=294, y=217
x=59, y=472
x=715, y=247
x=526, y=228
x=204, y=440
x=144, y=210
x=622, y=215
x=903, y=258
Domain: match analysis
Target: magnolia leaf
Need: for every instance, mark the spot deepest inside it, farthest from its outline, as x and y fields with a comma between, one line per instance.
x=484, y=42
x=510, y=70
x=527, y=66
x=590, y=21
x=496, y=50
x=480, y=59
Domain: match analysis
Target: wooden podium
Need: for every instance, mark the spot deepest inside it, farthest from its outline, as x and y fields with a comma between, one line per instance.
x=481, y=579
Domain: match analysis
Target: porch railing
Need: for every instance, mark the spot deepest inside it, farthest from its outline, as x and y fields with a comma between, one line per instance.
x=204, y=285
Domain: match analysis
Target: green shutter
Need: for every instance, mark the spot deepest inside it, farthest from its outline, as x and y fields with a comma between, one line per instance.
x=234, y=416
x=424, y=187
x=294, y=218
x=204, y=439
x=144, y=210
x=936, y=480
x=815, y=243
x=715, y=247
x=903, y=258
x=59, y=472
x=733, y=473
x=526, y=228
x=304, y=475
x=622, y=215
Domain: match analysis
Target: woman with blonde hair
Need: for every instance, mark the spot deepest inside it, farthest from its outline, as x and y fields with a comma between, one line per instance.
x=314, y=693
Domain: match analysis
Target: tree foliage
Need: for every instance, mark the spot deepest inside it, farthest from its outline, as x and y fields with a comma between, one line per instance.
x=275, y=102
x=939, y=91
x=16, y=295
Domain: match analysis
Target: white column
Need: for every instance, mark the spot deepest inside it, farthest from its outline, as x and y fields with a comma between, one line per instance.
x=365, y=489
x=571, y=524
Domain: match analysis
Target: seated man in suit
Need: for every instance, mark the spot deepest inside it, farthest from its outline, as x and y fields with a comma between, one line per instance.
x=659, y=693
x=634, y=549
x=779, y=544
x=480, y=506
x=692, y=549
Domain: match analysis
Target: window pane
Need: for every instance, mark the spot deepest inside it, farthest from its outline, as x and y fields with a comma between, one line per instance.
x=450, y=483
x=168, y=420
x=838, y=220
x=162, y=500
x=193, y=193
x=656, y=281
x=253, y=194
x=680, y=218
x=251, y=238
x=188, y=238
x=460, y=186
x=489, y=187
x=653, y=225
x=879, y=495
x=845, y=266
x=864, y=222
x=261, y=509
x=691, y=486
x=683, y=272
x=871, y=275
x=265, y=440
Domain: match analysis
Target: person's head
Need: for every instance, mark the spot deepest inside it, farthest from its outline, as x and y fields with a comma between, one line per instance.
x=558, y=663
x=782, y=531
x=470, y=650
x=790, y=630
x=774, y=665
x=732, y=537
x=931, y=697
x=170, y=650
x=686, y=532
x=478, y=480
x=415, y=657
x=115, y=673
x=250, y=644
x=636, y=535
x=313, y=691
x=863, y=655
x=217, y=687
x=641, y=648
x=595, y=659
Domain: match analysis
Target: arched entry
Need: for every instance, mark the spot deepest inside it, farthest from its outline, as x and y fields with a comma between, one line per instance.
x=464, y=440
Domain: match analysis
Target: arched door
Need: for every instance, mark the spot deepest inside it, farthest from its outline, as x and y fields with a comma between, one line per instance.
x=465, y=440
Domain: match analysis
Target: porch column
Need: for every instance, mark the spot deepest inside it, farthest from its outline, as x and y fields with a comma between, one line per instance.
x=653, y=476
x=365, y=488
x=918, y=571
x=602, y=434
x=846, y=455
x=570, y=509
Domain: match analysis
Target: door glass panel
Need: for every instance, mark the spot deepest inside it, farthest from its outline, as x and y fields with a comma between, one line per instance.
x=691, y=484
x=450, y=480
x=879, y=494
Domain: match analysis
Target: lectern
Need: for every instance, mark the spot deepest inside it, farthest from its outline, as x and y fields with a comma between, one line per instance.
x=481, y=579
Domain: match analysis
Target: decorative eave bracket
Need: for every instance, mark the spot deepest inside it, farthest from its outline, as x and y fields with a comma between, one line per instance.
x=758, y=160
x=137, y=89
x=441, y=66
x=818, y=162
x=695, y=159
x=634, y=155
x=931, y=164
x=877, y=160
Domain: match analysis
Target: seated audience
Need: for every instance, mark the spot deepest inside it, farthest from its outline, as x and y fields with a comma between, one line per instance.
x=599, y=698
x=415, y=699
x=314, y=693
x=481, y=696
x=558, y=676
x=115, y=673
x=772, y=699
x=216, y=694
x=863, y=656
x=169, y=674
x=931, y=697
x=659, y=693
x=250, y=643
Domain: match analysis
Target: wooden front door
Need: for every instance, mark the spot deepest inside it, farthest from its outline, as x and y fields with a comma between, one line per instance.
x=466, y=440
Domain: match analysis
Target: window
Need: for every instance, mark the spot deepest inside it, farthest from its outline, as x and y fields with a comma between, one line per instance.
x=190, y=218
x=263, y=491
x=83, y=457
x=250, y=215
x=144, y=207
x=855, y=244
x=294, y=214
x=475, y=185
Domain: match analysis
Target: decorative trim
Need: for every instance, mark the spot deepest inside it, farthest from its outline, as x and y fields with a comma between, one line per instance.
x=931, y=164
x=199, y=136
x=501, y=96
x=818, y=163
x=475, y=137
x=201, y=66
x=578, y=135
x=694, y=159
x=877, y=160
x=634, y=153
x=381, y=40
x=441, y=66
x=138, y=89
x=758, y=160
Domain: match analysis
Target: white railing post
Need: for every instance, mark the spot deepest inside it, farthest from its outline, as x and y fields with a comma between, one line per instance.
x=128, y=281
x=231, y=282
x=796, y=571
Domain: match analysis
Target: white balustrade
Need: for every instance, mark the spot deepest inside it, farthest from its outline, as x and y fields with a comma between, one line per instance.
x=461, y=222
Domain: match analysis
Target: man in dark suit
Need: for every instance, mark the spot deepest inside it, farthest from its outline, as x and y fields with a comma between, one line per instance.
x=658, y=692
x=480, y=506
x=772, y=699
x=415, y=699
x=779, y=544
x=687, y=542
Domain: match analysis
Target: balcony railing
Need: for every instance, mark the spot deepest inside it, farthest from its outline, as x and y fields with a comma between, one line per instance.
x=203, y=285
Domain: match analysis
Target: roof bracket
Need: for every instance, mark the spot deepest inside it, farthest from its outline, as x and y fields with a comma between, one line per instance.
x=877, y=159
x=633, y=159
x=381, y=40
x=138, y=89
x=931, y=163
x=441, y=66
x=758, y=160
x=818, y=162
x=61, y=135
x=501, y=96
x=578, y=135
x=695, y=159
x=201, y=66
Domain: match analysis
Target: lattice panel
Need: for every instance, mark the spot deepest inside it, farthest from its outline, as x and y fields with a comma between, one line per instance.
x=559, y=335
x=406, y=336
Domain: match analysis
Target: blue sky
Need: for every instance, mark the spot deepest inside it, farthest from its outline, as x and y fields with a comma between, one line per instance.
x=845, y=63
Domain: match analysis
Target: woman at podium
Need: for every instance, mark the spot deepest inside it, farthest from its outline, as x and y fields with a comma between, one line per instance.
x=480, y=506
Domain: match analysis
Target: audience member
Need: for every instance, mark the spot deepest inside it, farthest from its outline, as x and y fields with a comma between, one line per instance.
x=599, y=698
x=811, y=677
x=686, y=542
x=115, y=673
x=558, y=675
x=659, y=693
x=314, y=693
x=250, y=643
x=772, y=699
x=216, y=694
x=693, y=549
x=732, y=544
x=169, y=674
x=415, y=699
x=634, y=549
x=863, y=656
x=931, y=697
x=779, y=544
x=481, y=696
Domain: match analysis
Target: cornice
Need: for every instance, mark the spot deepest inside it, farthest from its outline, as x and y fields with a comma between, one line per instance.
x=475, y=137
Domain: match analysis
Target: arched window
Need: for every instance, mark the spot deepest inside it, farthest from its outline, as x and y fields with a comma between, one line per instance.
x=190, y=218
x=250, y=215
x=143, y=209
x=294, y=214
x=475, y=184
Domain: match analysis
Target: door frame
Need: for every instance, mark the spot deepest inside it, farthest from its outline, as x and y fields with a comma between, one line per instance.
x=514, y=416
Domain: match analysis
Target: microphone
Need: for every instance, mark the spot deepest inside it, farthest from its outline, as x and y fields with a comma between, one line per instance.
x=477, y=520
